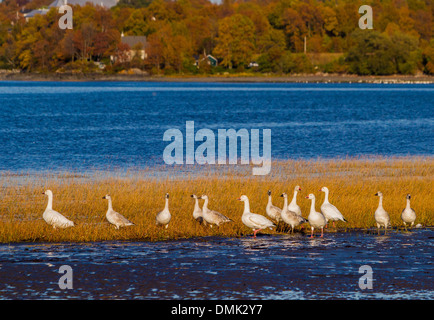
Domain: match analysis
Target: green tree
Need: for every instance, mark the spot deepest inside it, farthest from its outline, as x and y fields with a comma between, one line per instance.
x=371, y=54
x=235, y=41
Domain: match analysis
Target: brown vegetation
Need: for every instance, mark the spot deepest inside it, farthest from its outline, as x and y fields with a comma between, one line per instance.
x=139, y=196
x=273, y=33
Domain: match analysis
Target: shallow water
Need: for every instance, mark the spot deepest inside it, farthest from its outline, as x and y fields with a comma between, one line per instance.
x=268, y=267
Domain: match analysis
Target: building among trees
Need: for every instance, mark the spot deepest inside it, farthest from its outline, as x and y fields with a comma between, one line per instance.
x=58, y=3
x=133, y=46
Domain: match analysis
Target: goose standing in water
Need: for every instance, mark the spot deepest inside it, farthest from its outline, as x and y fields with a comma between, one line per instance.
x=290, y=217
x=163, y=217
x=316, y=219
x=381, y=216
x=114, y=217
x=272, y=211
x=211, y=216
x=329, y=211
x=197, y=211
x=54, y=218
x=408, y=215
x=254, y=221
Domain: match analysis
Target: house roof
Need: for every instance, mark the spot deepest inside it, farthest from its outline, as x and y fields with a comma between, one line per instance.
x=104, y=3
x=58, y=3
x=131, y=41
x=33, y=13
x=211, y=57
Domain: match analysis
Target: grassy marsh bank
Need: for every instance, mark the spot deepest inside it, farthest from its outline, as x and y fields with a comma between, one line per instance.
x=139, y=196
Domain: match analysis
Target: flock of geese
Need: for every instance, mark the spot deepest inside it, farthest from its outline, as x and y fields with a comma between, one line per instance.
x=290, y=214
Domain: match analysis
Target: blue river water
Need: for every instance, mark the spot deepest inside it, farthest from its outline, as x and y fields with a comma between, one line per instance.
x=102, y=125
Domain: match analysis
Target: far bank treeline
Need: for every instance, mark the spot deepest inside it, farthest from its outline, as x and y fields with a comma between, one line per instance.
x=272, y=33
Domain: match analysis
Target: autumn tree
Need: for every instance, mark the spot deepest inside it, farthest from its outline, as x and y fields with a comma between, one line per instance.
x=235, y=41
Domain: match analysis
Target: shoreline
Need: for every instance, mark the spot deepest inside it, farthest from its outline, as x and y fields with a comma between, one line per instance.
x=296, y=78
x=303, y=233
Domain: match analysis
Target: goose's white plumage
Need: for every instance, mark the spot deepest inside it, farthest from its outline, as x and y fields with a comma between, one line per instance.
x=293, y=206
x=54, y=218
x=330, y=212
x=381, y=216
x=408, y=215
x=316, y=219
x=197, y=211
x=211, y=216
x=114, y=217
x=290, y=217
x=254, y=221
x=272, y=211
x=163, y=217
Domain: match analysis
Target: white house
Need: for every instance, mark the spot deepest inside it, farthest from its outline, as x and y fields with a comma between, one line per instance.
x=133, y=42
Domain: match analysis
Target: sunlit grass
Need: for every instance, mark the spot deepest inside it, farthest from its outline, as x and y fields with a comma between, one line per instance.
x=138, y=196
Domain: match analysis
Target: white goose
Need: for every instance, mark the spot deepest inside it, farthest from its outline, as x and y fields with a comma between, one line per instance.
x=329, y=211
x=114, y=217
x=381, y=216
x=197, y=211
x=408, y=215
x=52, y=217
x=293, y=206
x=211, y=216
x=272, y=211
x=290, y=217
x=163, y=217
x=254, y=221
x=316, y=219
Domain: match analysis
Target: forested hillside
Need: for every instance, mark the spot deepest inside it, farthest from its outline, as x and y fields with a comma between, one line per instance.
x=280, y=36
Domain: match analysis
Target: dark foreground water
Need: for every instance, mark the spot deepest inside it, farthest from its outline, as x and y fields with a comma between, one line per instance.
x=88, y=125
x=269, y=267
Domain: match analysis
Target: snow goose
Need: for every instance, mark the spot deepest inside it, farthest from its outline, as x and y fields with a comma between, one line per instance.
x=163, y=217
x=381, y=216
x=329, y=211
x=52, y=217
x=272, y=211
x=408, y=215
x=290, y=217
x=316, y=219
x=114, y=217
x=197, y=211
x=211, y=216
x=254, y=221
x=293, y=206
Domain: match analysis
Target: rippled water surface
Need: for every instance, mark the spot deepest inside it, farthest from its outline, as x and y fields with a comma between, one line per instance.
x=269, y=267
x=87, y=125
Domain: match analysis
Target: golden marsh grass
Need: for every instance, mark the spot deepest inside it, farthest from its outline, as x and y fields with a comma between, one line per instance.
x=139, y=196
